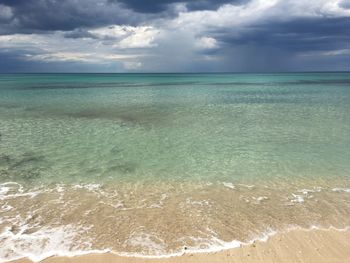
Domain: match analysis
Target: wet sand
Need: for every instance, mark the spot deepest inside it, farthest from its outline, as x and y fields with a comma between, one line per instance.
x=293, y=246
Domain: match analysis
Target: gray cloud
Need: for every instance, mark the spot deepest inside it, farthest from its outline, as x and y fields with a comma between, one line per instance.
x=80, y=33
x=174, y=35
x=295, y=35
x=17, y=61
x=156, y=6
x=345, y=4
x=30, y=16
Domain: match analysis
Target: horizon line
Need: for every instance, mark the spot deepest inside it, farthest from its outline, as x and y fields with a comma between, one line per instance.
x=202, y=72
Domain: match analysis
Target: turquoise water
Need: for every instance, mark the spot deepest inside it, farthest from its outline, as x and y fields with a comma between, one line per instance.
x=87, y=127
x=146, y=164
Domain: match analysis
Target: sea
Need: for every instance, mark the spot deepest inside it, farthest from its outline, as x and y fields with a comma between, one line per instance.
x=157, y=165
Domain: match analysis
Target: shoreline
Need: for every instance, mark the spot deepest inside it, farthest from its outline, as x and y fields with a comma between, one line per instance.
x=298, y=245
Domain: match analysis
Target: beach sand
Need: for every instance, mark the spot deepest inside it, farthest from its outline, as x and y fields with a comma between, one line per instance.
x=292, y=246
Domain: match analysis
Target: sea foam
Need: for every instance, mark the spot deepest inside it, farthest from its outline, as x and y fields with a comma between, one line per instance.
x=345, y=190
x=41, y=244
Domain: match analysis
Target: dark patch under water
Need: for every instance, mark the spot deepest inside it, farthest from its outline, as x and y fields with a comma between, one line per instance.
x=125, y=115
x=232, y=98
x=9, y=105
x=123, y=168
x=28, y=166
x=27, y=159
x=101, y=85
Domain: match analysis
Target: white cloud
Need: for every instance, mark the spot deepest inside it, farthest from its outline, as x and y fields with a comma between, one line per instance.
x=127, y=36
x=80, y=57
x=226, y=15
x=55, y=47
x=206, y=43
x=256, y=11
x=141, y=37
x=63, y=56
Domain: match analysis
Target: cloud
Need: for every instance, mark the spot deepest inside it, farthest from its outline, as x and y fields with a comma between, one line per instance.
x=65, y=15
x=345, y=4
x=17, y=61
x=58, y=48
x=174, y=35
x=156, y=6
x=295, y=35
x=206, y=43
x=5, y=13
x=141, y=37
x=80, y=33
x=125, y=36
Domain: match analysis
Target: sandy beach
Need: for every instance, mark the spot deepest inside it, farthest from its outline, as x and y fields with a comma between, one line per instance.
x=293, y=246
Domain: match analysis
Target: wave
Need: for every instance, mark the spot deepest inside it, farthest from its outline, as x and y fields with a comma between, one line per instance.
x=21, y=237
x=58, y=242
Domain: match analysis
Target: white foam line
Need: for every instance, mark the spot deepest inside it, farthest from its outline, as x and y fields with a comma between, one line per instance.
x=213, y=249
x=345, y=190
x=230, y=245
x=38, y=258
x=7, y=183
x=233, y=244
x=30, y=194
x=5, y=188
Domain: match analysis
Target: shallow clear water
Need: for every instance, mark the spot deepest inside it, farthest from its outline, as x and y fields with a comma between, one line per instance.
x=207, y=156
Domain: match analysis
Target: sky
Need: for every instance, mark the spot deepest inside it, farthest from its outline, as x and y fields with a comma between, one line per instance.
x=174, y=35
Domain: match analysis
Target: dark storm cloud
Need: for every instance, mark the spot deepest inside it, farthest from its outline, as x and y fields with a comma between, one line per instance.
x=211, y=5
x=30, y=16
x=300, y=44
x=80, y=33
x=295, y=36
x=47, y=15
x=155, y=6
